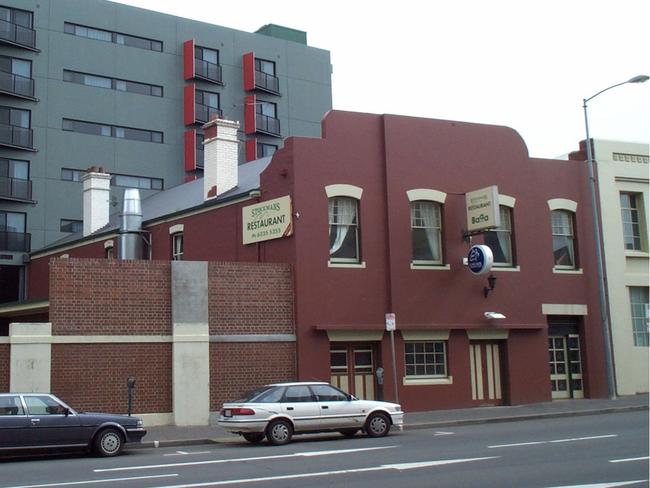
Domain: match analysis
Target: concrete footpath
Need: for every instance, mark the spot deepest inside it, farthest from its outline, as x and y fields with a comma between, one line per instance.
x=193, y=435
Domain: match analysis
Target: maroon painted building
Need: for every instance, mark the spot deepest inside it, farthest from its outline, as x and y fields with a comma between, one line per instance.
x=378, y=226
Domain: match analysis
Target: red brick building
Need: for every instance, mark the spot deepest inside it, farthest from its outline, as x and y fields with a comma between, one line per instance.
x=378, y=225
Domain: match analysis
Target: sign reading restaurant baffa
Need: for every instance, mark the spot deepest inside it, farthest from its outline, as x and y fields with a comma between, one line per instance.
x=267, y=220
x=482, y=209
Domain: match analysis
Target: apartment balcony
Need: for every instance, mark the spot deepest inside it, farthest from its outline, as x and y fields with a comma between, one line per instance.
x=17, y=35
x=204, y=113
x=267, y=82
x=207, y=71
x=17, y=137
x=15, y=241
x=267, y=125
x=15, y=189
x=16, y=85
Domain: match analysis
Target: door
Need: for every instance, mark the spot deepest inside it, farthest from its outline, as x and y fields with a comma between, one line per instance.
x=565, y=366
x=49, y=425
x=352, y=369
x=485, y=372
x=336, y=410
x=299, y=404
x=14, y=424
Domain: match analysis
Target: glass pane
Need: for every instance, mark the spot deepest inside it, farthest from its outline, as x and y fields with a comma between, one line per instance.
x=338, y=359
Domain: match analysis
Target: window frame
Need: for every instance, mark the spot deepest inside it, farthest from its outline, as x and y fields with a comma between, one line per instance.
x=79, y=78
x=571, y=238
x=114, y=131
x=640, y=335
x=177, y=241
x=507, y=230
x=434, y=364
x=72, y=223
x=355, y=224
x=115, y=37
x=438, y=209
x=628, y=213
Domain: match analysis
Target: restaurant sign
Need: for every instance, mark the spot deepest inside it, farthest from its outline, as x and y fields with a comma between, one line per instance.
x=267, y=220
x=482, y=209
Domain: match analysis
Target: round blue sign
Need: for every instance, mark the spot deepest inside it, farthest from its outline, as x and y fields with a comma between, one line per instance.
x=480, y=259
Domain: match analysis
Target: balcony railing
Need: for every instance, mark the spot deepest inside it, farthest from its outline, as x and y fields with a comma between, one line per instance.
x=267, y=82
x=19, y=137
x=18, y=85
x=207, y=70
x=15, y=241
x=17, y=35
x=15, y=188
x=204, y=113
x=266, y=124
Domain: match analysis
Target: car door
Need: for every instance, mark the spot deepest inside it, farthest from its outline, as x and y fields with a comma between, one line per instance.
x=49, y=423
x=14, y=424
x=299, y=404
x=336, y=409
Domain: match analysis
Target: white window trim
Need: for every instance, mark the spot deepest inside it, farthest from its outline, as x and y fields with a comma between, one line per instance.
x=176, y=229
x=562, y=204
x=426, y=194
x=505, y=267
x=343, y=190
x=413, y=381
x=567, y=270
x=430, y=267
x=108, y=244
x=564, y=309
x=425, y=335
x=337, y=264
x=507, y=200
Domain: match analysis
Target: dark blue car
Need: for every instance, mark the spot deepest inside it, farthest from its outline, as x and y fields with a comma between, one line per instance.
x=42, y=421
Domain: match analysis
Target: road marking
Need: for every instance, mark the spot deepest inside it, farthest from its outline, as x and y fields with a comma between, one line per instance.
x=399, y=467
x=86, y=482
x=443, y=433
x=236, y=460
x=185, y=453
x=611, y=484
x=644, y=458
x=574, y=439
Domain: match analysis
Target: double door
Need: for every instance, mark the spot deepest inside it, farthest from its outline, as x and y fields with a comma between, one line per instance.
x=565, y=366
x=485, y=372
x=352, y=369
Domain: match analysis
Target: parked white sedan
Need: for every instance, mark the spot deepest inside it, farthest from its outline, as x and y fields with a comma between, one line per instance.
x=281, y=410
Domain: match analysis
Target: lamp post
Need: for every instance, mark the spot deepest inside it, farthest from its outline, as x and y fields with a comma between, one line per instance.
x=604, y=314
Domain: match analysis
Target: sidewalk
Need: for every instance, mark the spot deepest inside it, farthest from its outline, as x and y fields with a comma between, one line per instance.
x=184, y=436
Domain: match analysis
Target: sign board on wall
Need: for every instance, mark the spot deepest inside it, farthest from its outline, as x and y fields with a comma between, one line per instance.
x=267, y=220
x=482, y=209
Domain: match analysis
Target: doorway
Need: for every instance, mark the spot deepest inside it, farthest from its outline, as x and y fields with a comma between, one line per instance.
x=565, y=358
x=486, y=372
x=352, y=369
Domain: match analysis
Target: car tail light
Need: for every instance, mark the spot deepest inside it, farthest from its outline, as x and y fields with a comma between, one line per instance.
x=228, y=412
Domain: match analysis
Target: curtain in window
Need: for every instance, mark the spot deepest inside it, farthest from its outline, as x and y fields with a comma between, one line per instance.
x=563, y=238
x=342, y=214
x=503, y=234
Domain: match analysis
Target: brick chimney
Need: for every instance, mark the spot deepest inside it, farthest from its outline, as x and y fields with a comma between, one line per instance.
x=220, y=157
x=96, y=193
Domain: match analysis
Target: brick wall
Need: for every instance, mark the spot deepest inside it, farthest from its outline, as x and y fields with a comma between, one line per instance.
x=92, y=377
x=110, y=297
x=4, y=367
x=236, y=368
x=250, y=298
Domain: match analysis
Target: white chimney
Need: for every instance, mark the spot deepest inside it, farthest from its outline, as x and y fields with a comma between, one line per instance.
x=220, y=157
x=97, y=186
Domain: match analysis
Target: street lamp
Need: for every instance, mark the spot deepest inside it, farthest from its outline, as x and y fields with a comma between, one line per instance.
x=604, y=315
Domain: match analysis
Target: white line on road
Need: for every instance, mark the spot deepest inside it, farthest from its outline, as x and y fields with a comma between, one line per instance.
x=644, y=458
x=260, y=458
x=400, y=467
x=86, y=482
x=443, y=433
x=611, y=484
x=574, y=439
x=185, y=453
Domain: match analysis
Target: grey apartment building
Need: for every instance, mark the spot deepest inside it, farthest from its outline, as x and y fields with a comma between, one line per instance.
x=88, y=83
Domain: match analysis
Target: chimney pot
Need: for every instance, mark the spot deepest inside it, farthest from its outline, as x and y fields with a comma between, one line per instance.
x=221, y=157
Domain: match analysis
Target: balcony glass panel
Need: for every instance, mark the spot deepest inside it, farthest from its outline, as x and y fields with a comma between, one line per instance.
x=204, y=112
x=16, y=136
x=267, y=82
x=267, y=124
x=207, y=70
x=17, y=34
x=15, y=241
x=16, y=84
x=15, y=188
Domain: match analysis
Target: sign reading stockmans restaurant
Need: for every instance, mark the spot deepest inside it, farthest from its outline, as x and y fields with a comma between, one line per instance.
x=482, y=209
x=267, y=220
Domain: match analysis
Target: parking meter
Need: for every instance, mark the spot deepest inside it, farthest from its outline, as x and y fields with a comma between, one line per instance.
x=380, y=375
x=130, y=384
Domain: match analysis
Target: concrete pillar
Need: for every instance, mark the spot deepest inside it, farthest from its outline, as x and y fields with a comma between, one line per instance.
x=30, y=357
x=191, y=346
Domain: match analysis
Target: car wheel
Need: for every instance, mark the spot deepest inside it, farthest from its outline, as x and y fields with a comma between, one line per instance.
x=108, y=442
x=279, y=432
x=377, y=425
x=254, y=438
x=349, y=432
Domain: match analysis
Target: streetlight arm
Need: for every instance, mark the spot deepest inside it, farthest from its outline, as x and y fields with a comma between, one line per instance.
x=602, y=91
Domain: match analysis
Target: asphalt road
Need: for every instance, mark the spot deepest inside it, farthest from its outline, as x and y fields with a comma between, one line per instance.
x=598, y=451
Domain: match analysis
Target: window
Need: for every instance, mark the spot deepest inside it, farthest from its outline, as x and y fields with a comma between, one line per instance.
x=343, y=229
x=266, y=108
x=114, y=37
x=11, y=405
x=425, y=359
x=107, y=130
x=265, y=77
x=14, y=179
x=43, y=405
x=14, y=168
x=499, y=239
x=264, y=150
x=327, y=393
x=68, y=225
x=426, y=230
x=16, y=26
x=177, y=246
x=563, y=239
x=296, y=394
x=13, y=222
x=108, y=252
x=112, y=83
x=632, y=221
x=200, y=156
x=639, y=304
x=15, y=127
x=12, y=232
x=16, y=76
x=207, y=105
x=142, y=182
x=71, y=174
x=207, y=64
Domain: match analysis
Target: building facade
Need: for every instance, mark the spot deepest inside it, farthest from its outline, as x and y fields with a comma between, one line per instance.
x=95, y=83
x=377, y=225
x=622, y=175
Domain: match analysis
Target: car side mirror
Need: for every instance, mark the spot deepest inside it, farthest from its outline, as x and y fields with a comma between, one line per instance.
x=350, y=397
x=66, y=411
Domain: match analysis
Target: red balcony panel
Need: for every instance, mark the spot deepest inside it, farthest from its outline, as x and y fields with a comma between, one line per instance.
x=190, y=150
x=249, y=114
x=248, y=62
x=188, y=59
x=251, y=149
x=189, y=110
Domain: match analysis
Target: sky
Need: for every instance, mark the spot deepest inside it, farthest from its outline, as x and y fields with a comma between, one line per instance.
x=524, y=64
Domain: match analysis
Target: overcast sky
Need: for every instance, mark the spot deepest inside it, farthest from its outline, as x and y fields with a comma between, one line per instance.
x=527, y=65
